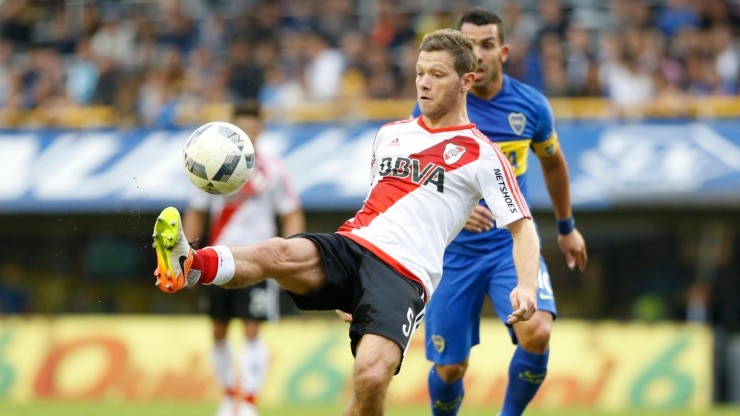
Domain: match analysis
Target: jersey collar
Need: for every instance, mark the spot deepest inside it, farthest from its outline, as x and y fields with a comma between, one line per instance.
x=420, y=121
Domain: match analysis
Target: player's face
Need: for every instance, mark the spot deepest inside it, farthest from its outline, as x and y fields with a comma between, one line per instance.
x=438, y=87
x=490, y=52
x=251, y=125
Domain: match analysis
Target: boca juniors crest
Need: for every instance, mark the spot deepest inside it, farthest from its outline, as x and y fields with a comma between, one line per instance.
x=518, y=122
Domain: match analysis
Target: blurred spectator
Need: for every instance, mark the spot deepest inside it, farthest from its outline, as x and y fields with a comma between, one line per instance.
x=7, y=71
x=214, y=35
x=261, y=21
x=726, y=58
x=285, y=53
x=17, y=18
x=280, y=91
x=82, y=75
x=392, y=27
x=519, y=31
x=552, y=20
x=114, y=40
x=716, y=12
x=354, y=48
x=57, y=31
x=299, y=16
x=88, y=20
x=677, y=15
x=108, y=82
x=668, y=99
x=245, y=76
x=580, y=62
x=324, y=67
x=336, y=19
x=43, y=78
x=554, y=75
x=177, y=28
x=626, y=83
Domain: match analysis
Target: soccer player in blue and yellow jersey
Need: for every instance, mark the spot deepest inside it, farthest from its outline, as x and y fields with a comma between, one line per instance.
x=479, y=261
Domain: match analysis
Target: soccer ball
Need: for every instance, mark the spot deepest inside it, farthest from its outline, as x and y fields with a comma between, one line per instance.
x=218, y=158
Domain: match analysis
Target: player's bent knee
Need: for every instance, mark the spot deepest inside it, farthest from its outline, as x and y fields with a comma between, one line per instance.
x=450, y=373
x=373, y=377
x=536, y=338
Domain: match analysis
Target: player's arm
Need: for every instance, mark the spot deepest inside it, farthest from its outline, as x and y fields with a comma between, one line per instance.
x=193, y=223
x=570, y=240
x=501, y=192
x=293, y=222
x=526, y=254
x=555, y=171
x=481, y=219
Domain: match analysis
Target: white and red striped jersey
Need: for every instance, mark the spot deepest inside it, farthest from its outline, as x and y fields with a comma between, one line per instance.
x=248, y=215
x=425, y=184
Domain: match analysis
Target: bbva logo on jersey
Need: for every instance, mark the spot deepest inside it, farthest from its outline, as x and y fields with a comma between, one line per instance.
x=404, y=167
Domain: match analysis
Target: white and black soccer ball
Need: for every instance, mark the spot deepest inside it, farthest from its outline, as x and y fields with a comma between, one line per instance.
x=218, y=158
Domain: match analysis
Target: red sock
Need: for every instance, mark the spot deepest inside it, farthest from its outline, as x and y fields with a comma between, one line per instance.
x=250, y=398
x=206, y=260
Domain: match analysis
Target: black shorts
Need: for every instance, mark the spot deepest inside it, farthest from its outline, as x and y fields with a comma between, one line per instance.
x=381, y=301
x=258, y=302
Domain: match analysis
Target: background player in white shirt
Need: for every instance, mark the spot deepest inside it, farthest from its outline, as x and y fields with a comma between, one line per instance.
x=428, y=174
x=245, y=217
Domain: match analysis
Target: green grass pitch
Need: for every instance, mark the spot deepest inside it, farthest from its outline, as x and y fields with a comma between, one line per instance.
x=68, y=408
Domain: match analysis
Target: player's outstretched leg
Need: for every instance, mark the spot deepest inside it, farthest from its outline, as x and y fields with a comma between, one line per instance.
x=174, y=254
x=255, y=361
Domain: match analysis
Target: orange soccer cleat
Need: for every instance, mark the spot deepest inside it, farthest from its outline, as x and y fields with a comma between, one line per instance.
x=174, y=254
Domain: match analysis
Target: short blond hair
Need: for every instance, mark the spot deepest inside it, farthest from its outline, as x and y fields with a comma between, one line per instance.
x=454, y=42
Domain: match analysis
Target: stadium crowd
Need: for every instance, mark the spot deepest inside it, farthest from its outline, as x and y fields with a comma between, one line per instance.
x=160, y=63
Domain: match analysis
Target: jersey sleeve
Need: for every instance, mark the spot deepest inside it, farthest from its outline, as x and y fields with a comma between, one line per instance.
x=545, y=139
x=374, y=154
x=285, y=199
x=499, y=187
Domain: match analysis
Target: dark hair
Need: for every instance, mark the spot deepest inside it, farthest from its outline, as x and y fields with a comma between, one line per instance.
x=481, y=17
x=247, y=109
x=454, y=42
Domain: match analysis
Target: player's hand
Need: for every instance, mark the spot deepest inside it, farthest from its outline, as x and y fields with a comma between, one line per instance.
x=573, y=247
x=523, y=304
x=346, y=317
x=480, y=220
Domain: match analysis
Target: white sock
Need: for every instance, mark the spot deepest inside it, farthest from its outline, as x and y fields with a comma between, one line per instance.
x=221, y=359
x=226, y=265
x=254, y=364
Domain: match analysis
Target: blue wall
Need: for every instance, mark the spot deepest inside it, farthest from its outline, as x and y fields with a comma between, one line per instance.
x=647, y=164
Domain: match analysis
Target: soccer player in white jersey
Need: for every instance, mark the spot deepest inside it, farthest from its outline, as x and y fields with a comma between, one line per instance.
x=476, y=264
x=382, y=265
x=245, y=217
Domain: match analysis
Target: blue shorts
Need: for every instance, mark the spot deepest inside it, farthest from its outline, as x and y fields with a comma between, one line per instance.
x=452, y=322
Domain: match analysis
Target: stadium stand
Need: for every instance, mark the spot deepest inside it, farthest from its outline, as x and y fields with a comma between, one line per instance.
x=78, y=63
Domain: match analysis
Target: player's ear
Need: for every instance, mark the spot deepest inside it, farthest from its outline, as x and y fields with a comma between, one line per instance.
x=504, y=52
x=467, y=81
